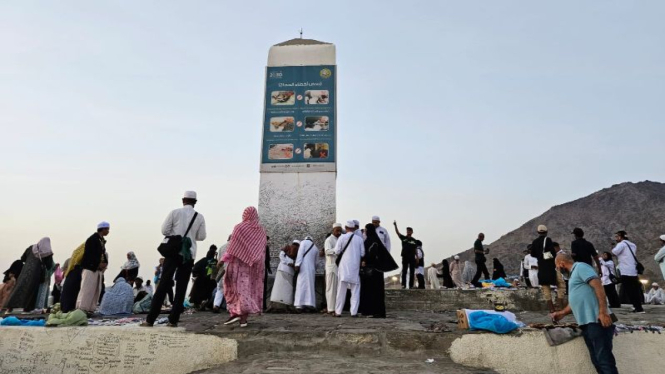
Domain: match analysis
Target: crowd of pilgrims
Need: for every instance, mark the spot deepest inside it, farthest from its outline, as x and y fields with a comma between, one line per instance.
x=235, y=276
x=232, y=278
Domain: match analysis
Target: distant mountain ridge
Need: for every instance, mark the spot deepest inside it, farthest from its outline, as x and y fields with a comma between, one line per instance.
x=638, y=208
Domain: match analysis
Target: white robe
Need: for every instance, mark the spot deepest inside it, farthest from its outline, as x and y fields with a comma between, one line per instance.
x=306, y=259
x=349, y=266
x=331, y=272
x=282, y=289
x=656, y=297
x=432, y=277
x=530, y=261
x=660, y=260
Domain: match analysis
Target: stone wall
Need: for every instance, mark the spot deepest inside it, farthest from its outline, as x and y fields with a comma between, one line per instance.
x=453, y=299
x=529, y=353
x=110, y=350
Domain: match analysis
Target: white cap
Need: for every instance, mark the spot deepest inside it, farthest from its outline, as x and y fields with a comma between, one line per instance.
x=376, y=218
x=662, y=237
x=103, y=225
x=295, y=242
x=309, y=238
x=351, y=223
x=189, y=195
x=356, y=223
x=456, y=257
x=335, y=225
x=654, y=284
x=542, y=228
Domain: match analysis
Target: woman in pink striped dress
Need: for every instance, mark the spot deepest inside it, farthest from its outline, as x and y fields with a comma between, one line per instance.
x=244, y=259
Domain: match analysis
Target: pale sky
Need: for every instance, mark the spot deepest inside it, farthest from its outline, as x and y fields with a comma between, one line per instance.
x=454, y=117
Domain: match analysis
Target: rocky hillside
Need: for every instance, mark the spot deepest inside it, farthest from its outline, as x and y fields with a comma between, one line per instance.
x=638, y=208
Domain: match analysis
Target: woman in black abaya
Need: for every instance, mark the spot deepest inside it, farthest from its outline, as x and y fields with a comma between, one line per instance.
x=377, y=260
x=498, y=272
x=445, y=274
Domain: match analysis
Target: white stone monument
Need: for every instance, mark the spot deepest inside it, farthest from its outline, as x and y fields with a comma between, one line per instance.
x=298, y=156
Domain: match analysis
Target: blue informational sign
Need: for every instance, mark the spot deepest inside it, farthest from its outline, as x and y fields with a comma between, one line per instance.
x=299, y=122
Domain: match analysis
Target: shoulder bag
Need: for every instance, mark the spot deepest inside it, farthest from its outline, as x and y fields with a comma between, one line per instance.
x=613, y=278
x=366, y=272
x=638, y=265
x=172, y=245
x=547, y=255
x=303, y=256
x=339, y=258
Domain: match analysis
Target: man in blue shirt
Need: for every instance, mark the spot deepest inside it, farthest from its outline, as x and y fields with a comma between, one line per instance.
x=587, y=302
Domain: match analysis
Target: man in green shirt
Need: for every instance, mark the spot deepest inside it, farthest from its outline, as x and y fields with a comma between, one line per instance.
x=588, y=303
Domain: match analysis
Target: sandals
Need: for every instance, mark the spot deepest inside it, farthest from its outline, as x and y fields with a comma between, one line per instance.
x=232, y=320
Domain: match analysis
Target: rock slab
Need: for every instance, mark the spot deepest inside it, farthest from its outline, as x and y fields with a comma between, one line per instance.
x=110, y=350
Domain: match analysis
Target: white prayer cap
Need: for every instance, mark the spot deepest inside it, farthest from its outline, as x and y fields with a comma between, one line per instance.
x=356, y=223
x=456, y=257
x=336, y=225
x=295, y=242
x=654, y=284
x=376, y=218
x=103, y=225
x=309, y=238
x=662, y=237
x=350, y=223
x=189, y=195
x=542, y=228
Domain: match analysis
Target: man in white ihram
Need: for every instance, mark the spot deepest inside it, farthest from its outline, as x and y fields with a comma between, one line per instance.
x=351, y=248
x=331, y=267
x=306, y=269
x=382, y=232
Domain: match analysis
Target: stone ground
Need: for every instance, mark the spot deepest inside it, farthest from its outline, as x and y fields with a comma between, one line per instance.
x=316, y=343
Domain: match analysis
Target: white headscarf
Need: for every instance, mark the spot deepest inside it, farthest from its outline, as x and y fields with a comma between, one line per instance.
x=43, y=248
x=132, y=263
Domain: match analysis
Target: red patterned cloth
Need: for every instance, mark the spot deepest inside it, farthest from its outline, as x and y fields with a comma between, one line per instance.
x=248, y=240
x=243, y=287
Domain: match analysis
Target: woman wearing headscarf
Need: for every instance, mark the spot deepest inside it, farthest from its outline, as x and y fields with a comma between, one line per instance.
x=47, y=270
x=468, y=272
x=244, y=259
x=130, y=269
x=456, y=272
x=9, y=281
x=204, y=283
x=72, y=283
x=119, y=299
x=58, y=276
x=498, y=271
x=377, y=260
x=445, y=274
x=38, y=258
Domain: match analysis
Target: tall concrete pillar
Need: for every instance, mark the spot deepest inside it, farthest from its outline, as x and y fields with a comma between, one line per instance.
x=299, y=153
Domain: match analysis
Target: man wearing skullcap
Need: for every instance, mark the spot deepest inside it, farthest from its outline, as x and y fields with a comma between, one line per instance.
x=381, y=232
x=94, y=263
x=655, y=296
x=351, y=248
x=331, y=267
x=544, y=251
x=180, y=221
x=305, y=297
